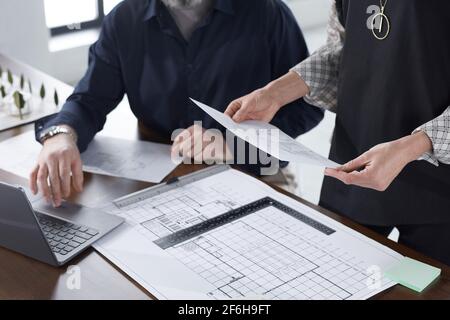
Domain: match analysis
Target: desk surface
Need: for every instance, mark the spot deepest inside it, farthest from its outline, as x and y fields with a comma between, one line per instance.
x=24, y=278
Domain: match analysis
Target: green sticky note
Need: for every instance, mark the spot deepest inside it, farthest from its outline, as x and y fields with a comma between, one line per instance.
x=413, y=274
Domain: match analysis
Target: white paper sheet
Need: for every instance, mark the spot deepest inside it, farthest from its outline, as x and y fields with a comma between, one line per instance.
x=265, y=255
x=137, y=160
x=269, y=139
x=19, y=154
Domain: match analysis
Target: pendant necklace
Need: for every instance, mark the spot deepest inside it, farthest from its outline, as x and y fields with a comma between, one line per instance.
x=381, y=25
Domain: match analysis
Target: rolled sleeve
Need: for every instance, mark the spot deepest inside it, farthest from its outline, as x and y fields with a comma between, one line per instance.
x=438, y=130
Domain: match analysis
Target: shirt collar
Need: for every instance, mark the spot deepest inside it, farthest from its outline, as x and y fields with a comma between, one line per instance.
x=225, y=6
x=152, y=10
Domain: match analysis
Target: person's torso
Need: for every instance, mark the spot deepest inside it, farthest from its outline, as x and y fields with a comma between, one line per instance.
x=387, y=89
x=227, y=56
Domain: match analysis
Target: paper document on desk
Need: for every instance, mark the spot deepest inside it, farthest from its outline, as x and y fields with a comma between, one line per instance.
x=221, y=234
x=137, y=160
x=269, y=139
x=18, y=155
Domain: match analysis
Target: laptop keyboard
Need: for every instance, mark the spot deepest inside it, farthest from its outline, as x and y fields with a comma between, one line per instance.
x=64, y=237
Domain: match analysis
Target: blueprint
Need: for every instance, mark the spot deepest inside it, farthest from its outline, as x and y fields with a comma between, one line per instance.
x=229, y=236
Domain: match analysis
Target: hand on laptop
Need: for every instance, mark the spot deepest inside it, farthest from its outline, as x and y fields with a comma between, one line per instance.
x=202, y=146
x=58, y=171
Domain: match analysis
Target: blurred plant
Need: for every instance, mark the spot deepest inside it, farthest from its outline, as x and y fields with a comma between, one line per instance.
x=1, y=72
x=30, y=87
x=56, y=98
x=10, y=77
x=42, y=92
x=3, y=92
x=19, y=101
x=22, y=82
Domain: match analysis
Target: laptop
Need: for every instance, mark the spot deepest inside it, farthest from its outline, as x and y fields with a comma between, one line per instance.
x=51, y=235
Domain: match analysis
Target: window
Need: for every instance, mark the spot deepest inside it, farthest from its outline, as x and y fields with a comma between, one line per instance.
x=65, y=16
x=108, y=5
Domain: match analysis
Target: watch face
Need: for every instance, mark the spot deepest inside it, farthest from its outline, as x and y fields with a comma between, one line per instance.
x=51, y=132
x=48, y=133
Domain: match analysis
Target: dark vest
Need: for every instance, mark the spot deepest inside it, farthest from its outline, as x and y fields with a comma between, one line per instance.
x=386, y=90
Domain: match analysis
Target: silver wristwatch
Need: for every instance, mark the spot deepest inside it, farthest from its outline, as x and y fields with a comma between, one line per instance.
x=54, y=131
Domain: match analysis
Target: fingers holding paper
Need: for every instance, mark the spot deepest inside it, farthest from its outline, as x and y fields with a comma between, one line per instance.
x=377, y=168
x=201, y=146
x=263, y=104
x=258, y=105
x=368, y=171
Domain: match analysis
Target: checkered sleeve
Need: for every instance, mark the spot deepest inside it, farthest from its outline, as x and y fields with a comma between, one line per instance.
x=438, y=130
x=320, y=70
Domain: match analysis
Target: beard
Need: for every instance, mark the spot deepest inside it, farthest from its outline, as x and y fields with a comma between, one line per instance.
x=186, y=4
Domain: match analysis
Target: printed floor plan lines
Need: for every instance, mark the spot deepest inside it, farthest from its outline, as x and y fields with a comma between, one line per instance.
x=255, y=257
x=221, y=234
x=175, y=210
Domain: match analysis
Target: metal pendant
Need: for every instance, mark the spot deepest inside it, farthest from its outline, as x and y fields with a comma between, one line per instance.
x=383, y=29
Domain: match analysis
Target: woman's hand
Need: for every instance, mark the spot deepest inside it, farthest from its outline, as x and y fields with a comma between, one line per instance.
x=263, y=104
x=377, y=168
x=258, y=105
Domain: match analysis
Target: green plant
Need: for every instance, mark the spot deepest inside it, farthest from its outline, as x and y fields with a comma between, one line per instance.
x=22, y=81
x=56, y=98
x=42, y=92
x=10, y=77
x=19, y=101
x=1, y=72
x=2, y=91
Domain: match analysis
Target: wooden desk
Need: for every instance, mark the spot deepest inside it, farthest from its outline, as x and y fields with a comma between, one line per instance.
x=23, y=278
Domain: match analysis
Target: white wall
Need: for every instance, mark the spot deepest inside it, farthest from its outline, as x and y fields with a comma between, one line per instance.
x=312, y=15
x=23, y=33
x=69, y=65
x=25, y=36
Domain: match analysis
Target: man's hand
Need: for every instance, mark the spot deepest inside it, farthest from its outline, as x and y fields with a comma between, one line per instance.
x=377, y=168
x=203, y=146
x=263, y=104
x=59, y=169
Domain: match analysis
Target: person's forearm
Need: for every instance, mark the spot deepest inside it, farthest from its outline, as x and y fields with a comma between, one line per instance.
x=287, y=89
x=415, y=145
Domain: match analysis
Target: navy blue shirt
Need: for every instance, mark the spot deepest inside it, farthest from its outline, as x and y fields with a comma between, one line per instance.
x=239, y=47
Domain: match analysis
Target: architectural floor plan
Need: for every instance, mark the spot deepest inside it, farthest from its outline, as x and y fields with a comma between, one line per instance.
x=244, y=240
